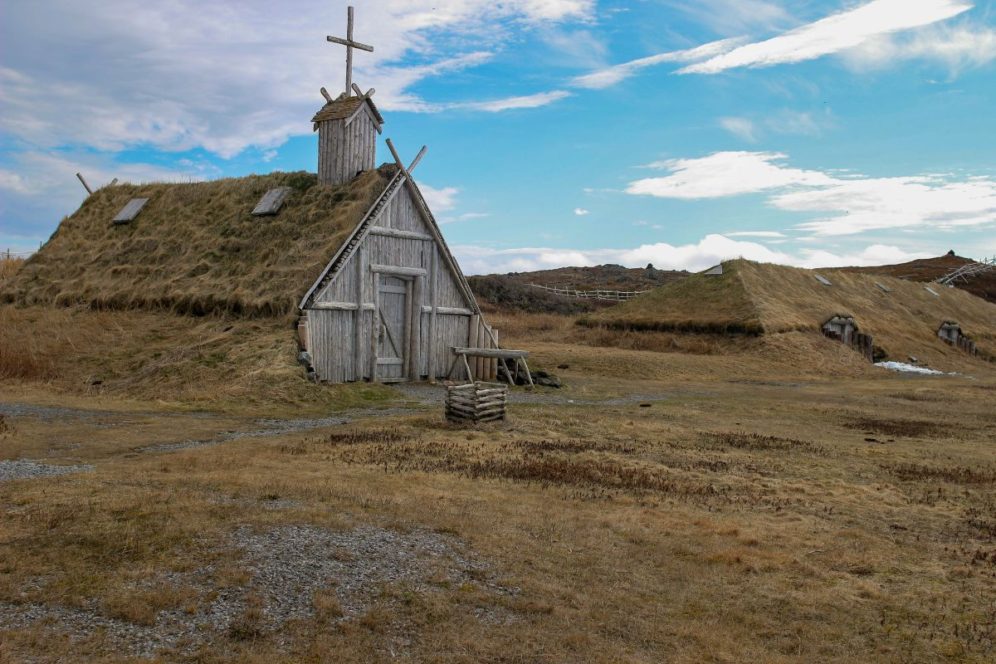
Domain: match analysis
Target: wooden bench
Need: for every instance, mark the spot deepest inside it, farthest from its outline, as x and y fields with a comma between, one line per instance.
x=492, y=353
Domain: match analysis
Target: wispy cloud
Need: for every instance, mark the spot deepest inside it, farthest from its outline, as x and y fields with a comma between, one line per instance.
x=757, y=234
x=509, y=103
x=581, y=212
x=440, y=200
x=733, y=16
x=742, y=128
x=957, y=47
x=834, y=34
x=227, y=75
x=609, y=76
x=849, y=205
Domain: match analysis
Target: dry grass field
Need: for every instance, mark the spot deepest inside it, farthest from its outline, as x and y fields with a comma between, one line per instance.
x=682, y=499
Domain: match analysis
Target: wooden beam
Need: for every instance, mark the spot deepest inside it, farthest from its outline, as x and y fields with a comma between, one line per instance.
x=475, y=328
x=354, y=44
x=89, y=191
x=361, y=273
x=366, y=95
x=418, y=158
x=447, y=311
x=500, y=353
x=340, y=306
x=433, y=310
x=325, y=93
x=374, y=328
x=394, y=232
x=398, y=270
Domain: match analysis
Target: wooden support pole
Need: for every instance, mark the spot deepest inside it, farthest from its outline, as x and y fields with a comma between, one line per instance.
x=89, y=191
x=361, y=273
x=325, y=93
x=432, y=314
x=472, y=343
x=374, y=326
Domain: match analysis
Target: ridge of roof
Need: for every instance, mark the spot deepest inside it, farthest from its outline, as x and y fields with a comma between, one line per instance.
x=343, y=107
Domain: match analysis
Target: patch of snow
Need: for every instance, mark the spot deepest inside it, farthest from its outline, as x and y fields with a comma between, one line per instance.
x=909, y=368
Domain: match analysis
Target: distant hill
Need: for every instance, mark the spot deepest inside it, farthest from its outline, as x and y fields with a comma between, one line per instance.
x=764, y=299
x=931, y=269
x=514, y=290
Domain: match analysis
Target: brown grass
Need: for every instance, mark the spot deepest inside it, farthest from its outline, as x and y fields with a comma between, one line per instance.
x=699, y=303
x=212, y=361
x=728, y=522
x=195, y=248
x=9, y=267
x=755, y=298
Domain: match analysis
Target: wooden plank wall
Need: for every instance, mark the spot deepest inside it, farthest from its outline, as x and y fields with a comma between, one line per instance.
x=345, y=151
x=333, y=334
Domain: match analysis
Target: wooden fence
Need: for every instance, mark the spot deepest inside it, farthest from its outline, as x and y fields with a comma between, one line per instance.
x=968, y=270
x=610, y=295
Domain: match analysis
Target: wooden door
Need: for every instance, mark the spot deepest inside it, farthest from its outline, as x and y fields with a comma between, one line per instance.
x=394, y=322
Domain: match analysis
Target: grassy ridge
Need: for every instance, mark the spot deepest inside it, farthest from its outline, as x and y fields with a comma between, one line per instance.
x=755, y=298
x=699, y=303
x=195, y=248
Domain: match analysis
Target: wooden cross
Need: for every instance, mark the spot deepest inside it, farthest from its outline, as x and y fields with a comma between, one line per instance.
x=407, y=172
x=350, y=45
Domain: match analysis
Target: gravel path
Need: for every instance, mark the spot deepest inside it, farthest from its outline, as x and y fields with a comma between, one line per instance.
x=286, y=566
x=22, y=469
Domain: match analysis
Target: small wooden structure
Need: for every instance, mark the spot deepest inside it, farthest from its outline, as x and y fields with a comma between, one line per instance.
x=490, y=363
x=392, y=302
x=476, y=402
x=950, y=333
x=347, y=126
x=844, y=329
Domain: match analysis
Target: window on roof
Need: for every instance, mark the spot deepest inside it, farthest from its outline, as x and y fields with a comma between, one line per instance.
x=130, y=211
x=271, y=202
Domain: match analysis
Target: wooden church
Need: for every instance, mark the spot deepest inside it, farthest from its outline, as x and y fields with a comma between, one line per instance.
x=354, y=254
x=392, y=302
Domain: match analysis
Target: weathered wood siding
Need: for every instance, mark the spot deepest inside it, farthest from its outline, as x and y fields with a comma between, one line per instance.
x=345, y=151
x=443, y=317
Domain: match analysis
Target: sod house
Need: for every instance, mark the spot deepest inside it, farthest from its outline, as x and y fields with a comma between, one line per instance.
x=352, y=255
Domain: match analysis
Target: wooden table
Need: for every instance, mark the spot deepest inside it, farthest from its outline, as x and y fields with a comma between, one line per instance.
x=500, y=353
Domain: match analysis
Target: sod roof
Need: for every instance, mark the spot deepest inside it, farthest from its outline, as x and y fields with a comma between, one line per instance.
x=760, y=298
x=196, y=248
x=343, y=107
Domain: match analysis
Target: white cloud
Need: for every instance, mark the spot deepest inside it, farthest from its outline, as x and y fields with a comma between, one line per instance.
x=439, y=200
x=957, y=47
x=834, y=34
x=724, y=174
x=742, y=128
x=849, y=204
x=758, y=234
x=709, y=251
x=43, y=187
x=604, y=78
x=227, y=75
x=581, y=212
x=509, y=103
x=733, y=16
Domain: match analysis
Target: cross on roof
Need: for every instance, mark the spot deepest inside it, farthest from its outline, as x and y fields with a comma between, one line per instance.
x=350, y=45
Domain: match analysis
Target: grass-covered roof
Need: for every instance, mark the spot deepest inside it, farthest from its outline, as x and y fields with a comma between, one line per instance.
x=196, y=248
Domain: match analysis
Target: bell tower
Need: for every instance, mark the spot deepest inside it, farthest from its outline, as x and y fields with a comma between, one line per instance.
x=348, y=125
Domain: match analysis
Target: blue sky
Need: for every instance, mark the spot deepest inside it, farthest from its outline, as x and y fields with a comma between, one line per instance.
x=560, y=132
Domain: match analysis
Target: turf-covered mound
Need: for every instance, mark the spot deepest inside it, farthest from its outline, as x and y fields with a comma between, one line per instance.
x=196, y=248
x=698, y=303
x=755, y=298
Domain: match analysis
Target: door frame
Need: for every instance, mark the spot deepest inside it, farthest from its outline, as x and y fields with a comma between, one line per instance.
x=414, y=278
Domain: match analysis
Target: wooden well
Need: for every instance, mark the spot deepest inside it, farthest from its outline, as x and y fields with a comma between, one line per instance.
x=476, y=402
